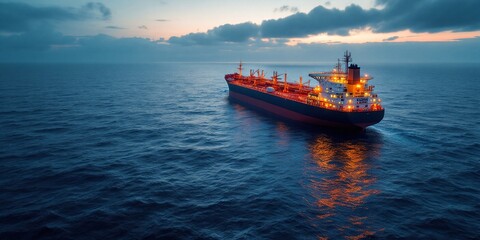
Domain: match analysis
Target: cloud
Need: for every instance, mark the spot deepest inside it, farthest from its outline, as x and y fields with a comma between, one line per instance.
x=429, y=16
x=40, y=39
x=31, y=36
x=394, y=15
x=162, y=20
x=28, y=28
x=286, y=8
x=94, y=7
x=320, y=20
x=104, y=48
x=224, y=33
x=114, y=27
x=21, y=17
x=18, y=17
x=390, y=39
x=143, y=27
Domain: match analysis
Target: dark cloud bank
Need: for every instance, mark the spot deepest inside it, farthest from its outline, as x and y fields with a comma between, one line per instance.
x=28, y=35
x=20, y=17
x=395, y=15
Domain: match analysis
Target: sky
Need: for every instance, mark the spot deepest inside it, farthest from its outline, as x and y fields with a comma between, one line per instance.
x=248, y=30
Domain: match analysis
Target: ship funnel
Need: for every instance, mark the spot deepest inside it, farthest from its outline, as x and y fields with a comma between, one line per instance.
x=353, y=74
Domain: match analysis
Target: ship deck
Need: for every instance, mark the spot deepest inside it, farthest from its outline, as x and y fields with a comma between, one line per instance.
x=295, y=92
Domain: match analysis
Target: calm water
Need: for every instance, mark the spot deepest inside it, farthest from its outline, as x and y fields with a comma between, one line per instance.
x=158, y=151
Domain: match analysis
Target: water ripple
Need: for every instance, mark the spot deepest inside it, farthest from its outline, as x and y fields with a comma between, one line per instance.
x=146, y=151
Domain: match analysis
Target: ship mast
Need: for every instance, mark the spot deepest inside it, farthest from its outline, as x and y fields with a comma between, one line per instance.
x=285, y=84
x=338, y=67
x=240, y=68
x=347, y=58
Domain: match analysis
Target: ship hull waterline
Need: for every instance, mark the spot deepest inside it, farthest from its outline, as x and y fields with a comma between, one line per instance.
x=301, y=112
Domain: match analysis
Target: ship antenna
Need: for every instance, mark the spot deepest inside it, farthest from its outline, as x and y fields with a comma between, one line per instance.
x=347, y=58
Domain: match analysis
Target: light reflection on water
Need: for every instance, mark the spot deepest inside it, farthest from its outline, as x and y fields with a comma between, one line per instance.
x=95, y=151
x=340, y=183
x=337, y=177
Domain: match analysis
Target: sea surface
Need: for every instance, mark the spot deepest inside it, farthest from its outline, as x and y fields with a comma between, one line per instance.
x=158, y=151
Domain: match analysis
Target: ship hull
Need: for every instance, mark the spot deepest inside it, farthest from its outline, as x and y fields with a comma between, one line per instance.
x=301, y=112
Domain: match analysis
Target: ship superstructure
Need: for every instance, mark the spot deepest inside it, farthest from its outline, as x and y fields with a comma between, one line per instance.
x=344, y=90
x=342, y=97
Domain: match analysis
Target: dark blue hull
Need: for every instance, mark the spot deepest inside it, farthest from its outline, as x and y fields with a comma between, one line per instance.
x=303, y=112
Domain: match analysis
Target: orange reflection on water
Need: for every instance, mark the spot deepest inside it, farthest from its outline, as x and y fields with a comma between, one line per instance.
x=340, y=183
x=282, y=134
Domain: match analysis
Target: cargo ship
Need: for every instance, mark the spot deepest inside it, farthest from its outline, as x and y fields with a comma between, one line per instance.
x=342, y=98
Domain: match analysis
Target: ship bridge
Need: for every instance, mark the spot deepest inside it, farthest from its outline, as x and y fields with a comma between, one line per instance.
x=336, y=77
x=342, y=76
x=329, y=76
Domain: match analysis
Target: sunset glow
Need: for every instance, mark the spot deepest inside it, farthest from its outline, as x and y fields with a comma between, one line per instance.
x=369, y=36
x=164, y=30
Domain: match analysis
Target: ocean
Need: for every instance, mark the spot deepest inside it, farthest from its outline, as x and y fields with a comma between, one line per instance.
x=158, y=151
